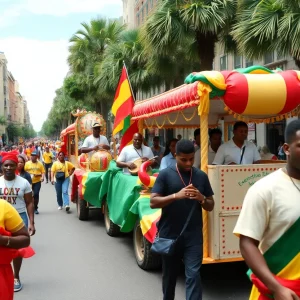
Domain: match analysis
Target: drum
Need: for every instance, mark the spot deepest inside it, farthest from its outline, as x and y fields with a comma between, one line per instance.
x=100, y=161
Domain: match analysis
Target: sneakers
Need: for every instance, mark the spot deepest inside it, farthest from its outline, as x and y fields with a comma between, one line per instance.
x=17, y=285
x=67, y=208
x=59, y=208
x=36, y=212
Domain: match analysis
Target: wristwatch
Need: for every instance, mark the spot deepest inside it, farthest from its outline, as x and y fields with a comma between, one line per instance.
x=204, y=200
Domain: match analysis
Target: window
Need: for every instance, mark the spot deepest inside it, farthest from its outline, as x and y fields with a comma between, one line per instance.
x=223, y=62
x=269, y=57
x=238, y=61
x=249, y=63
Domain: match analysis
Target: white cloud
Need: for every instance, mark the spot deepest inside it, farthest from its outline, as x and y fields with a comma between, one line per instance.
x=39, y=67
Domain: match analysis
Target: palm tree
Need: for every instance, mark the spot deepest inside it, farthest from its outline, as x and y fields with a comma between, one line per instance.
x=177, y=22
x=265, y=26
x=129, y=50
x=86, y=51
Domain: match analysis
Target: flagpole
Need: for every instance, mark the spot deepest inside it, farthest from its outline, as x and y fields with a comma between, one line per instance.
x=129, y=81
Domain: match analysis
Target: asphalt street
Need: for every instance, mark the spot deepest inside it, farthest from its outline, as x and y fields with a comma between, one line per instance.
x=79, y=261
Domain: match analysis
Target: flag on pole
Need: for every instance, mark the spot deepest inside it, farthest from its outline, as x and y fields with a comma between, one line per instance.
x=122, y=109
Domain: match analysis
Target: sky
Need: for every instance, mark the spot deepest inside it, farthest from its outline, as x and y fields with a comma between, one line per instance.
x=34, y=37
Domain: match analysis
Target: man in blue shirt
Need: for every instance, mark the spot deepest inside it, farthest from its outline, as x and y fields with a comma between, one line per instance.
x=176, y=190
x=169, y=156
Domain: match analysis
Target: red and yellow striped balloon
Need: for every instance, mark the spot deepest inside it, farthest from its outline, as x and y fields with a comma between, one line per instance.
x=262, y=94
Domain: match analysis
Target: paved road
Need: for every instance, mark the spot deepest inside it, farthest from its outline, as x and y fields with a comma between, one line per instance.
x=79, y=261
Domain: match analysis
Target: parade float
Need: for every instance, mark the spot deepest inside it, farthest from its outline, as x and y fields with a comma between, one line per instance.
x=207, y=100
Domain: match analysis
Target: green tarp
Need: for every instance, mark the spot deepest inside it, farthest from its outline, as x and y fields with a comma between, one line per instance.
x=121, y=192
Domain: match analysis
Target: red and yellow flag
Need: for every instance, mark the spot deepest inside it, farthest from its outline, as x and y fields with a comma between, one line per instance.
x=122, y=108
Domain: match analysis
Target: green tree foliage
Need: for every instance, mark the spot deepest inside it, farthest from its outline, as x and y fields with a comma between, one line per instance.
x=195, y=26
x=265, y=26
x=14, y=131
x=68, y=98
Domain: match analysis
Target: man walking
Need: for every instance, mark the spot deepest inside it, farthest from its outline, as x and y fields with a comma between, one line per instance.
x=269, y=227
x=36, y=169
x=179, y=189
x=48, y=159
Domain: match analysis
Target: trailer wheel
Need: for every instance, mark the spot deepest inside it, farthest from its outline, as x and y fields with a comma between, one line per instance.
x=145, y=259
x=82, y=209
x=111, y=228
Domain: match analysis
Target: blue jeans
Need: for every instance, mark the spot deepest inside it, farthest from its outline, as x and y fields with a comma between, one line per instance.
x=62, y=187
x=36, y=194
x=24, y=217
x=190, y=248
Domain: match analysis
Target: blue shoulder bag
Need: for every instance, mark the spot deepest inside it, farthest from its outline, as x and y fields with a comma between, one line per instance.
x=165, y=246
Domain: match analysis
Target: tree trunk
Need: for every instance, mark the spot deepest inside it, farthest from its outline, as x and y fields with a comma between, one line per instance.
x=206, y=49
x=297, y=62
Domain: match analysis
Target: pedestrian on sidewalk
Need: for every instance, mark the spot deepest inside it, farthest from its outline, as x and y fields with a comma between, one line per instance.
x=36, y=170
x=48, y=159
x=182, y=191
x=60, y=173
x=269, y=227
x=12, y=223
x=17, y=191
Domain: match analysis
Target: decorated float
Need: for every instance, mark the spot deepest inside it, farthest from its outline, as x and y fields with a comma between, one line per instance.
x=206, y=100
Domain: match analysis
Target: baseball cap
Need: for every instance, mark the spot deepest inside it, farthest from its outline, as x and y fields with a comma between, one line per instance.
x=96, y=124
x=34, y=153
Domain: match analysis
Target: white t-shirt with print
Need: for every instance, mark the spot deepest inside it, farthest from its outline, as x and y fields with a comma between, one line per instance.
x=13, y=192
x=270, y=208
x=129, y=154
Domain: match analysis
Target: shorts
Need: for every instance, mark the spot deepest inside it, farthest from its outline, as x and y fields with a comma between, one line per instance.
x=24, y=217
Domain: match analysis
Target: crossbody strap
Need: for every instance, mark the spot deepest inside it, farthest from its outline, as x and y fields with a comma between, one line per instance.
x=242, y=155
x=188, y=220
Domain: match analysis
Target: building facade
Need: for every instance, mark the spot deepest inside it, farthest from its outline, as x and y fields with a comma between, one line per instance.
x=26, y=115
x=4, y=91
x=128, y=13
x=142, y=10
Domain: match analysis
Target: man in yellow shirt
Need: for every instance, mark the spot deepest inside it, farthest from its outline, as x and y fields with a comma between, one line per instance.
x=48, y=158
x=36, y=170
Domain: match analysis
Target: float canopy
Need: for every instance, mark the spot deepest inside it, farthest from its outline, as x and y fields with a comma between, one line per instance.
x=254, y=95
x=69, y=129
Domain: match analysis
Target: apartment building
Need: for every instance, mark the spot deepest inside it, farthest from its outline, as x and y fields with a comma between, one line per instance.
x=26, y=113
x=142, y=9
x=128, y=13
x=4, y=91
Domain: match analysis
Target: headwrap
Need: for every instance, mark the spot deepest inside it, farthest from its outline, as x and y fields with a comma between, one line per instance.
x=13, y=156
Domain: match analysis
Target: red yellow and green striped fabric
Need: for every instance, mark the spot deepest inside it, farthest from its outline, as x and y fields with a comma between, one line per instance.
x=148, y=217
x=122, y=109
x=88, y=186
x=283, y=258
